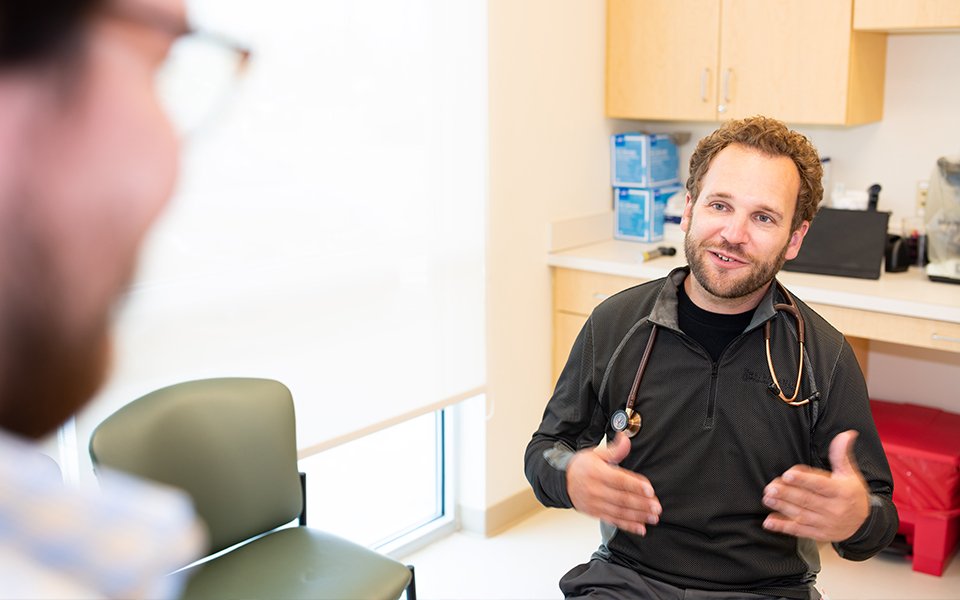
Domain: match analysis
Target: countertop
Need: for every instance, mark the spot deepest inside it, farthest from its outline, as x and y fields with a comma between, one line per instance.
x=909, y=293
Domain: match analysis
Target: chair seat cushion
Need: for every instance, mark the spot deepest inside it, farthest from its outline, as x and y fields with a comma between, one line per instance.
x=298, y=562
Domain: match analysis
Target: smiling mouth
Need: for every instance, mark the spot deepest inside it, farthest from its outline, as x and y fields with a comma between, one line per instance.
x=726, y=258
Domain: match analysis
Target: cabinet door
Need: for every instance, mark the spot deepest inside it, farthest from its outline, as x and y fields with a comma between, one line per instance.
x=906, y=15
x=786, y=59
x=566, y=328
x=662, y=59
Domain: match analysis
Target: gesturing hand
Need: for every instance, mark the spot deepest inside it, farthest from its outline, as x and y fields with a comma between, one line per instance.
x=822, y=505
x=600, y=488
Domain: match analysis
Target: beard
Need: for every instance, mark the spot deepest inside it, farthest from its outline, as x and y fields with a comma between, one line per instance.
x=49, y=367
x=725, y=285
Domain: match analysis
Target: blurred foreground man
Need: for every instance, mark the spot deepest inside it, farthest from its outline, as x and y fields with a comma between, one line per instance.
x=87, y=161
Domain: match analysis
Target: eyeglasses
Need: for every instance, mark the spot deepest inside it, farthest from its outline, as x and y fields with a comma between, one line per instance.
x=196, y=82
x=200, y=73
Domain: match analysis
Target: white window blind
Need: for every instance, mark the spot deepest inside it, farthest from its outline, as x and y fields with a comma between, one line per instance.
x=329, y=227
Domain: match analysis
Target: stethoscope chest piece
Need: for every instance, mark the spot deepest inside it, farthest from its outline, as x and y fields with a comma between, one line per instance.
x=628, y=421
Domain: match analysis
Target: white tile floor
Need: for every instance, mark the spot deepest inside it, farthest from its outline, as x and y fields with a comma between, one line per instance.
x=526, y=561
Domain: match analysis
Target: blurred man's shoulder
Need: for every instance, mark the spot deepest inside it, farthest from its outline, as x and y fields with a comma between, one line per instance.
x=119, y=539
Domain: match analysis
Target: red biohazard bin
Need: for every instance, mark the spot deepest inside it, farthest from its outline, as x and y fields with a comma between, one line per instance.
x=922, y=445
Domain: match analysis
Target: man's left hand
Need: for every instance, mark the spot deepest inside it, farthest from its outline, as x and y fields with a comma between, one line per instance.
x=821, y=505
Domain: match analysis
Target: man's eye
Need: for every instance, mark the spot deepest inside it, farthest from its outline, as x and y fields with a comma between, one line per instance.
x=764, y=219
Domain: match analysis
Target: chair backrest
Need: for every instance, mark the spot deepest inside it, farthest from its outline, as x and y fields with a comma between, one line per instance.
x=230, y=443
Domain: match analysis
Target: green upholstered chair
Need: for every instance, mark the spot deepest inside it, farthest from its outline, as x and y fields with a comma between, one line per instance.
x=231, y=444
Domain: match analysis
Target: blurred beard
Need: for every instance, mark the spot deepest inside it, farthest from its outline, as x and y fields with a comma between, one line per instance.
x=725, y=285
x=49, y=368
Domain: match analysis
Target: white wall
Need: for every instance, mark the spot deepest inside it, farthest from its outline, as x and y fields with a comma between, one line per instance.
x=329, y=223
x=921, y=122
x=548, y=145
x=548, y=161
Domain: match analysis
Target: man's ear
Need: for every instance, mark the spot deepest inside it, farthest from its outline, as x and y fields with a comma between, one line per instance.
x=687, y=213
x=796, y=240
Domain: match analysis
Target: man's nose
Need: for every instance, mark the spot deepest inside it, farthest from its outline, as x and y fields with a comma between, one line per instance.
x=736, y=230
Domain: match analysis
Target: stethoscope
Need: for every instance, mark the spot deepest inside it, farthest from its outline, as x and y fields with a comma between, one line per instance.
x=628, y=420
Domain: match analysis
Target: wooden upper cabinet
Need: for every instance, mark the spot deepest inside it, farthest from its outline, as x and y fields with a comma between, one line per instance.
x=799, y=61
x=906, y=15
x=796, y=60
x=662, y=59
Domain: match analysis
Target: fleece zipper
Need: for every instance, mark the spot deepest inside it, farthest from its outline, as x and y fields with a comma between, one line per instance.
x=712, y=398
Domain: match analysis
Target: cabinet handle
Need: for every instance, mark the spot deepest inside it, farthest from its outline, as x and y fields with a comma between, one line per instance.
x=704, y=78
x=944, y=338
x=726, y=85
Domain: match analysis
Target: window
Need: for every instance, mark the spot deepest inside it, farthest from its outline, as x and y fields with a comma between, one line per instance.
x=377, y=489
x=328, y=232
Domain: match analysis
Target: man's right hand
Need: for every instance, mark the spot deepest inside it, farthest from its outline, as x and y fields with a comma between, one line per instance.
x=600, y=488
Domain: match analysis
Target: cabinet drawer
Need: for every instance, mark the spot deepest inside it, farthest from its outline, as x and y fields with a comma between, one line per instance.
x=578, y=292
x=896, y=329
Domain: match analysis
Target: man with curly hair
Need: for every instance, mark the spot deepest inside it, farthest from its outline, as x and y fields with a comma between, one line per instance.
x=740, y=466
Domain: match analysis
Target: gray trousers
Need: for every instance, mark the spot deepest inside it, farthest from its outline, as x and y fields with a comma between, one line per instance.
x=600, y=580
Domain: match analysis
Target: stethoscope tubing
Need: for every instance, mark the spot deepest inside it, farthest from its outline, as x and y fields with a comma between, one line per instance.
x=629, y=421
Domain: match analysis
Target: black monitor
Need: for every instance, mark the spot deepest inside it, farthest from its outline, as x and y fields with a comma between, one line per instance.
x=847, y=243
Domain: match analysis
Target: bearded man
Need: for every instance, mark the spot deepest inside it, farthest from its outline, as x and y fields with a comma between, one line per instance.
x=737, y=470
x=88, y=159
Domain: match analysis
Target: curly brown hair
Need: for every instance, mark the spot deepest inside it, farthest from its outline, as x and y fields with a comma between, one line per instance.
x=773, y=138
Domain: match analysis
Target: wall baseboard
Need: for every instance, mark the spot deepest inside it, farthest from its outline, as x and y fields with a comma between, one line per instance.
x=501, y=516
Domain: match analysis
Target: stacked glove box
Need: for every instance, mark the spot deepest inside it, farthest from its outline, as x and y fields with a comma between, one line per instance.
x=645, y=174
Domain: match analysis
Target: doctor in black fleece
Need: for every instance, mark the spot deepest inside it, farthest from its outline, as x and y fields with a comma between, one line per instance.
x=726, y=489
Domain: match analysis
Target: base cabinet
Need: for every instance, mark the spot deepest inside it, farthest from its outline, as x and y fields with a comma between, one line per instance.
x=577, y=293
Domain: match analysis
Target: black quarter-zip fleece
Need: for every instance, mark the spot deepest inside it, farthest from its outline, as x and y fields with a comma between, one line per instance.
x=712, y=437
